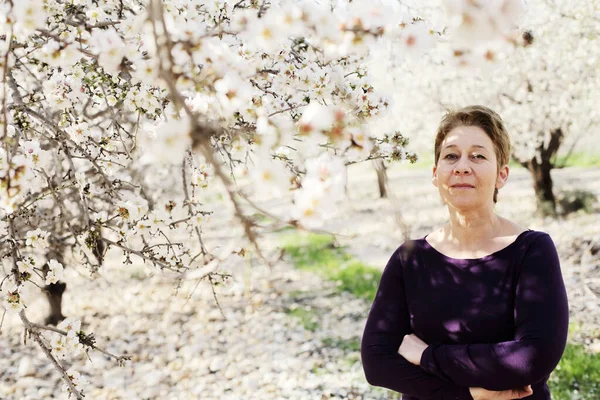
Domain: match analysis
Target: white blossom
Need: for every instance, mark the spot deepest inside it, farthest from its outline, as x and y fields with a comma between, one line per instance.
x=29, y=16
x=315, y=118
x=58, y=345
x=37, y=157
x=233, y=92
x=57, y=90
x=169, y=142
x=200, y=219
x=38, y=239
x=4, y=163
x=310, y=204
x=271, y=175
x=96, y=15
x=265, y=33
x=78, y=132
x=26, y=265
x=327, y=171
x=157, y=218
x=133, y=209
x=77, y=379
x=201, y=175
x=415, y=39
x=110, y=48
x=55, y=273
x=71, y=326
x=13, y=301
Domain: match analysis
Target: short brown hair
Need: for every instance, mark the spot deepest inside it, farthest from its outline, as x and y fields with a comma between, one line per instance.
x=486, y=119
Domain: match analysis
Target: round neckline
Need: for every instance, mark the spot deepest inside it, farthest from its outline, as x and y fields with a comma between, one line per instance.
x=487, y=257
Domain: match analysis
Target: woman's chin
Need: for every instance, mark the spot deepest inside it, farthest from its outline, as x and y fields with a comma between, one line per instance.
x=463, y=203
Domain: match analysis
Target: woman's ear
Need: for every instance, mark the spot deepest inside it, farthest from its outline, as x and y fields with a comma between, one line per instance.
x=502, y=177
x=434, y=179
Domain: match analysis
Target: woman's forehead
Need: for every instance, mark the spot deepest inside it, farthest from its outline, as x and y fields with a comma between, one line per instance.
x=467, y=136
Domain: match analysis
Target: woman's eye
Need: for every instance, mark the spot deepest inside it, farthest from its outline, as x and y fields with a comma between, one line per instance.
x=479, y=156
x=450, y=157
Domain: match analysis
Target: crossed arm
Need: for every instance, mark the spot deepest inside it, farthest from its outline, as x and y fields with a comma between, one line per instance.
x=447, y=371
x=386, y=326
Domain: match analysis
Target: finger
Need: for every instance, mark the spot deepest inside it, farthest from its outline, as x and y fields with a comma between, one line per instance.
x=526, y=392
x=517, y=394
x=520, y=393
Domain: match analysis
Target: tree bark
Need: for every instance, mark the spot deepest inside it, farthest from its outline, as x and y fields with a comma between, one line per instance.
x=54, y=293
x=540, y=167
x=542, y=184
x=381, y=178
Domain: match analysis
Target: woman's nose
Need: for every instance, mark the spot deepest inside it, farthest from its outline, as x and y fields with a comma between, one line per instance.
x=462, y=171
x=462, y=167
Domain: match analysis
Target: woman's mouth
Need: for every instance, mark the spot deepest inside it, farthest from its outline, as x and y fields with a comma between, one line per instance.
x=462, y=186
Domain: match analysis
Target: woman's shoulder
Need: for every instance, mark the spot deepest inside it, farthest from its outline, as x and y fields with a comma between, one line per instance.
x=538, y=238
x=409, y=248
x=520, y=232
x=511, y=228
x=528, y=240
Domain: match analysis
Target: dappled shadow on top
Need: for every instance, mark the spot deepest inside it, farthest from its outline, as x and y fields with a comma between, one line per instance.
x=452, y=308
x=468, y=300
x=498, y=322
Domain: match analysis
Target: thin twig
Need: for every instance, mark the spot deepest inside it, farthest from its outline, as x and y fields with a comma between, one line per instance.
x=212, y=286
x=139, y=254
x=33, y=331
x=2, y=321
x=119, y=359
x=190, y=211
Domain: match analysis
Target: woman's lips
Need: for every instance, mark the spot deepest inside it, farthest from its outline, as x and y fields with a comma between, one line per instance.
x=462, y=186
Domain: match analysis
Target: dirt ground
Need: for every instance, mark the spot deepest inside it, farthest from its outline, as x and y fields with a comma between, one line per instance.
x=182, y=347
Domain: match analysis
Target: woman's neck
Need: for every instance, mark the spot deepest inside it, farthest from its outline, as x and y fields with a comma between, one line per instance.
x=468, y=230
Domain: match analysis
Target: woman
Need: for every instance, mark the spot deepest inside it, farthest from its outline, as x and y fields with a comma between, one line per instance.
x=476, y=309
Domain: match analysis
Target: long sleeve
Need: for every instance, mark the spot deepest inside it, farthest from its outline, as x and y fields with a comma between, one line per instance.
x=541, y=316
x=386, y=326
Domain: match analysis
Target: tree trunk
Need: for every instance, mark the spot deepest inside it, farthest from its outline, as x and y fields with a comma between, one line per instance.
x=381, y=178
x=540, y=167
x=542, y=184
x=54, y=293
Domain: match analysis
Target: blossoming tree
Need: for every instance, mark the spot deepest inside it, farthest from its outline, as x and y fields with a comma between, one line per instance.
x=117, y=117
x=546, y=91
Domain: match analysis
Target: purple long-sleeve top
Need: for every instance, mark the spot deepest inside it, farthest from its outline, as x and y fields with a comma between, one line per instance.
x=498, y=322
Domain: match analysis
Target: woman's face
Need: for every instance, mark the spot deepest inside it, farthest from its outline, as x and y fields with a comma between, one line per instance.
x=466, y=173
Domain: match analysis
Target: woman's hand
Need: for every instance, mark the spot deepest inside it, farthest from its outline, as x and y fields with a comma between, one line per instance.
x=412, y=348
x=482, y=394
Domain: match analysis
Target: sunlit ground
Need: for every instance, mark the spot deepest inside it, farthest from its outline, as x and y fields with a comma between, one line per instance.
x=291, y=330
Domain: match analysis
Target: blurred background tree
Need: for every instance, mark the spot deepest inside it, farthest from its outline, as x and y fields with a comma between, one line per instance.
x=547, y=91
